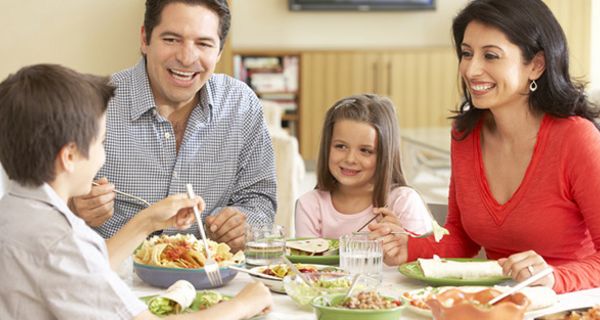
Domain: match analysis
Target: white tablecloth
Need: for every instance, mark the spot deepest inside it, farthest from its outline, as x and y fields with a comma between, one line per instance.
x=393, y=284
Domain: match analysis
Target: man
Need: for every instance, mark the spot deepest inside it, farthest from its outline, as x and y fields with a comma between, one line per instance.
x=173, y=122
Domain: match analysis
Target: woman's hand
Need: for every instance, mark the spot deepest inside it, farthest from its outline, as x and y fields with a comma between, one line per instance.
x=523, y=265
x=173, y=211
x=394, y=246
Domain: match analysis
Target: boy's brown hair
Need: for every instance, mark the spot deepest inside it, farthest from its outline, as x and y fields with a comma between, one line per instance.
x=380, y=113
x=43, y=108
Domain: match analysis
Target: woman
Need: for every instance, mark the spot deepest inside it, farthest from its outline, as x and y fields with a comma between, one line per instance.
x=525, y=172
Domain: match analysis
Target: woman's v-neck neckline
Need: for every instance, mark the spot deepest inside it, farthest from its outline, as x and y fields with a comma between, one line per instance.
x=498, y=211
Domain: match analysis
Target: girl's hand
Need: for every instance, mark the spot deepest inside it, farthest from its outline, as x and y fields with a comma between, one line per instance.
x=173, y=211
x=254, y=299
x=523, y=265
x=386, y=215
x=394, y=246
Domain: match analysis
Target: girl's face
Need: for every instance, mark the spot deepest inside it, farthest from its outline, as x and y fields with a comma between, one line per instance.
x=493, y=69
x=353, y=153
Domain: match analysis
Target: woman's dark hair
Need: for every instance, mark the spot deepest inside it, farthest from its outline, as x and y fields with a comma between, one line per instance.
x=378, y=112
x=154, y=9
x=530, y=25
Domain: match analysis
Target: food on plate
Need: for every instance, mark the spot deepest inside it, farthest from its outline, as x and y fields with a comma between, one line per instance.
x=455, y=304
x=369, y=300
x=442, y=268
x=417, y=298
x=581, y=314
x=178, y=297
x=320, y=284
x=312, y=247
x=282, y=270
x=539, y=297
x=183, y=251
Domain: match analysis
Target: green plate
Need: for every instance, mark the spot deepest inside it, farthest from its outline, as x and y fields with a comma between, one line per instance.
x=412, y=270
x=196, y=303
x=333, y=260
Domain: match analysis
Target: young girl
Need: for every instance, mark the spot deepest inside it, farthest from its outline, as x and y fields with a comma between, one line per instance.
x=359, y=173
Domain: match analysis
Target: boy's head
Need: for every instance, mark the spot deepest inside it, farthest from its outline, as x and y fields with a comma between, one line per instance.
x=45, y=109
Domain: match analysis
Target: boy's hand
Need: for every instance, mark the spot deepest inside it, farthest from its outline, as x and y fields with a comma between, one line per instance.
x=229, y=226
x=97, y=206
x=254, y=299
x=173, y=211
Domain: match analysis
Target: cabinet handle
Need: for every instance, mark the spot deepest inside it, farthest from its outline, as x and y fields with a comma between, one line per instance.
x=375, y=78
x=389, y=79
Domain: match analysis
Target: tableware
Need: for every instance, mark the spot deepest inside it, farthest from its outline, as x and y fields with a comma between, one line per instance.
x=127, y=195
x=359, y=254
x=522, y=284
x=332, y=257
x=277, y=285
x=406, y=232
x=164, y=277
x=412, y=270
x=201, y=302
x=265, y=244
x=210, y=265
x=321, y=284
x=455, y=304
x=540, y=297
x=325, y=311
x=254, y=273
x=579, y=313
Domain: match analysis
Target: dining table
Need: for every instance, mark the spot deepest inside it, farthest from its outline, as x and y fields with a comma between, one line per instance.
x=393, y=284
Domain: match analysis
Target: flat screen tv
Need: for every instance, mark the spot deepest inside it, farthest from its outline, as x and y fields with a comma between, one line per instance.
x=360, y=5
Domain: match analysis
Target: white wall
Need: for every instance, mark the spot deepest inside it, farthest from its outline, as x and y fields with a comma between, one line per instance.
x=95, y=36
x=269, y=24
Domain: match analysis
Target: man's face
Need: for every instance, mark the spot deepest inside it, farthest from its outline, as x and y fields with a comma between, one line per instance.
x=182, y=53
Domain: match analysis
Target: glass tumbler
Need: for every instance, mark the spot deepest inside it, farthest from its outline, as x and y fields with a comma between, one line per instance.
x=360, y=255
x=265, y=244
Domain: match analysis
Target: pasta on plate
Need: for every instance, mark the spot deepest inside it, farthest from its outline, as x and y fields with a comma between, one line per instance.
x=183, y=251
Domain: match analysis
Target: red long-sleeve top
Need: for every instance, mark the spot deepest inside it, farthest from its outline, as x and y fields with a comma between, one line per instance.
x=555, y=211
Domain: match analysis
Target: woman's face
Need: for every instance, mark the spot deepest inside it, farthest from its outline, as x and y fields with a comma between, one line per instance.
x=493, y=69
x=353, y=153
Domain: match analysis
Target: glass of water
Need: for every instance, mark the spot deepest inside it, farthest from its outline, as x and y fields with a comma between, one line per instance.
x=359, y=254
x=265, y=244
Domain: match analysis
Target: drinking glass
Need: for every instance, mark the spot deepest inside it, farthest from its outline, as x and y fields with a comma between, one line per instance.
x=265, y=244
x=359, y=254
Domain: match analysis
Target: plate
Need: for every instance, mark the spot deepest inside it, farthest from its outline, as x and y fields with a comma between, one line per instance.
x=196, y=303
x=333, y=260
x=277, y=285
x=420, y=295
x=164, y=277
x=412, y=270
x=564, y=314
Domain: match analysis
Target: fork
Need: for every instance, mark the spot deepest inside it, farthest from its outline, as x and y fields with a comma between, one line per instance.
x=127, y=195
x=406, y=232
x=210, y=265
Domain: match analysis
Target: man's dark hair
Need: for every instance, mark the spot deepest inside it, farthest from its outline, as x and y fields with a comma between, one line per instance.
x=43, y=108
x=154, y=9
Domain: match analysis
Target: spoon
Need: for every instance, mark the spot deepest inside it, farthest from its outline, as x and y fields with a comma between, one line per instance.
x=522, y=285
x=353, y=285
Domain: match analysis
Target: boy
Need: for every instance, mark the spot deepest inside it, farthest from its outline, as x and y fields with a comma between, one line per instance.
x=52, y=124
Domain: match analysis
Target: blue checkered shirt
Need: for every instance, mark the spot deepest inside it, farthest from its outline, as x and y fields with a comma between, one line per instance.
x=226, y=152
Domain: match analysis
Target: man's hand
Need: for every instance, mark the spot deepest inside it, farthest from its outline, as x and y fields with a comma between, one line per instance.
x=97, y=206
x=229, y=226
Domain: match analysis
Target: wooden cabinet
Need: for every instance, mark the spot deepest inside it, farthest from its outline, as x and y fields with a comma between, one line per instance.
x=422, y=83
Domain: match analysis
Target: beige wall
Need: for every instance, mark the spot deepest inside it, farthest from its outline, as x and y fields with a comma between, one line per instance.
x=96, y=36
x=595, y=46
x=269, y=24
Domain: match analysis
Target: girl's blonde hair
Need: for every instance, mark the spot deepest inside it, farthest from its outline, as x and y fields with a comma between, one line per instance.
x=380, y=113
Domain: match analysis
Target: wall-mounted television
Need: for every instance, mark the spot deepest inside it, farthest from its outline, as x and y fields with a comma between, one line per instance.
x=360, y=5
